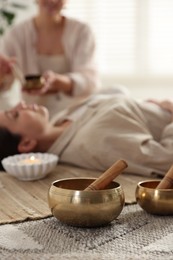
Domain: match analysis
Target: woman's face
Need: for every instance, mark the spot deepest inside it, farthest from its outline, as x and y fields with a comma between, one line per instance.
x=26, y=120
x=51, y=7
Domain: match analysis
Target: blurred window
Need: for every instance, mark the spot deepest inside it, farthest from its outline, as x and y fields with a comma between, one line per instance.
x=134, y=37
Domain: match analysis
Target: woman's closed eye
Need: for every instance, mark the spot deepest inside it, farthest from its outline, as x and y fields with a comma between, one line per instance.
x=12, y=114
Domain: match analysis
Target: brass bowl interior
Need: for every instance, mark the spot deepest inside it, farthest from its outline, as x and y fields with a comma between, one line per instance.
x=80, y=184
x=149, y=184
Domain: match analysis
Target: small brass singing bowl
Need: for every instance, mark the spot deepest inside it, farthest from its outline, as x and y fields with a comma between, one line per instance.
x=152, y=200
x=33, y=82
x=73, y=206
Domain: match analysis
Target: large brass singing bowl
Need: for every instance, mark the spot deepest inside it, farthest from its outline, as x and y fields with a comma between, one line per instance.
x=72, y=205
x=152, y=200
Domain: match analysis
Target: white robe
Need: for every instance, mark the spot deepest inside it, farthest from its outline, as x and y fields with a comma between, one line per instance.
x=117, y=127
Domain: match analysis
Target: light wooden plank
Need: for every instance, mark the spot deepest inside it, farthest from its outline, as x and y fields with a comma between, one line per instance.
x=21, y=200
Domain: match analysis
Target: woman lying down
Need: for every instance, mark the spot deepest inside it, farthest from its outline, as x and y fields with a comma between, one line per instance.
x=95, y=133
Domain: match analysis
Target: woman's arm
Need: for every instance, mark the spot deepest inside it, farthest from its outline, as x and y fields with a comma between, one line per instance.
x=6, y=72
x=7, y=59
x=84, y=70
x=166, y=104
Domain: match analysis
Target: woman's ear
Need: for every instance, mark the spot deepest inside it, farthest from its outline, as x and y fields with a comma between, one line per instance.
x=27, y=145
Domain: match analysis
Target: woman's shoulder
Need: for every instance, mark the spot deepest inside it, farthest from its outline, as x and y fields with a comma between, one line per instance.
x=76, y=23
x=21, y=32
x=22, y=26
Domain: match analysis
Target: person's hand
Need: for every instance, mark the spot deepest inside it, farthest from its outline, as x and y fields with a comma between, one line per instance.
x=52, y=83
x=6, y=68
x=165, y=104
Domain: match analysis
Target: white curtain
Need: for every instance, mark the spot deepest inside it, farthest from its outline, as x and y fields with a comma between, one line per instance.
x=134, y=37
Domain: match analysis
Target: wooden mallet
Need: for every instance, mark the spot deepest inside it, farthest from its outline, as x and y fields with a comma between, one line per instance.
x=108, y=176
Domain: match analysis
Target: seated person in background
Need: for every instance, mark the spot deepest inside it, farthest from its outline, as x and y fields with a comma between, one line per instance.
x=59, y=48
x=95, y=133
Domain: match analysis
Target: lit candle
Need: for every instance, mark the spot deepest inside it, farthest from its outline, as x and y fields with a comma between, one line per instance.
x=30, y=160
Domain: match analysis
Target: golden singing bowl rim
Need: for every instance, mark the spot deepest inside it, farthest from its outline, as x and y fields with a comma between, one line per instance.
x=152, y=200
x=140, y=184
x=82, y=192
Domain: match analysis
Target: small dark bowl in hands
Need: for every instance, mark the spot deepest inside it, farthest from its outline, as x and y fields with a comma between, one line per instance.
x=33, y=82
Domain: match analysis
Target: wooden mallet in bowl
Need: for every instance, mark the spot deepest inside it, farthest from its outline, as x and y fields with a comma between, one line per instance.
x=108, y=176
x=167, y=181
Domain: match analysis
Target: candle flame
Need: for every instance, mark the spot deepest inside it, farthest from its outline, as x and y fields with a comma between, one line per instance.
x=32, y=158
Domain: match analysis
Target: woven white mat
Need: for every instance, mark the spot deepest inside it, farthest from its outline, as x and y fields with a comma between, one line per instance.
x=134, y=235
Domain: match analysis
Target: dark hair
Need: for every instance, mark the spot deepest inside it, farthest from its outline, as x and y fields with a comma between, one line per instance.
x=8, y=144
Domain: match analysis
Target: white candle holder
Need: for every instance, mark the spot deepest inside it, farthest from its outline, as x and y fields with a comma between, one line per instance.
x=30, y=166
